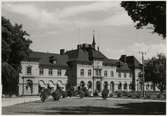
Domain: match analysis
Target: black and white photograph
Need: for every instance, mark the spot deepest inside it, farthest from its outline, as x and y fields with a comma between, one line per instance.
x=83, y=57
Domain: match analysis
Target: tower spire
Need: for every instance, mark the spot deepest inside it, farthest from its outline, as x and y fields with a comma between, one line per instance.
x=93, y=43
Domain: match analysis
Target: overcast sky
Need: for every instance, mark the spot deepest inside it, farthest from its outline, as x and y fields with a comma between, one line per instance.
x=56, y=25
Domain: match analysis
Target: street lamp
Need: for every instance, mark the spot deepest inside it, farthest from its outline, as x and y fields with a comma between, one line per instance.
x=143, y=79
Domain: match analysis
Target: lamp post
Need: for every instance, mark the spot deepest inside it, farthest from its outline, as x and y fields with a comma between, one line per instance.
x=143, y=79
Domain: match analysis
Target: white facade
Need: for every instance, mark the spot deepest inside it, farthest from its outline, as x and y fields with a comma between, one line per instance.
x=39, y=80
x=87, y=73
x=111, y=77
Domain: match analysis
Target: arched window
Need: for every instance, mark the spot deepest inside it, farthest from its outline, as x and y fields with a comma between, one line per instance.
x=105, y=84
x=29, y=85
x=130, y=86
x=125, y=86
x=89, y=72
x=112, y=73
x=82, y=84
x=112, y=86
x=89, y=84
x=119, y=86
x=105, y=73
x=82, y=72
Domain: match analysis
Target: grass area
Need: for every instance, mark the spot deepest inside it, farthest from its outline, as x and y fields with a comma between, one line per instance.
x=87, y=106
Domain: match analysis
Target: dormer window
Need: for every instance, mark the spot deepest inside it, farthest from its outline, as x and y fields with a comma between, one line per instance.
x=29, y=69
x=52, y=60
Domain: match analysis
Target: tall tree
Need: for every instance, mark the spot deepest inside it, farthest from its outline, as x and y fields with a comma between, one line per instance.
x=155, y=71
x=15, y=47
x=148, y=12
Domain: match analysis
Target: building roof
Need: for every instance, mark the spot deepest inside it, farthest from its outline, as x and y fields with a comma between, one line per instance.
x=83, y=54
x=44, y=58
x=131, y=60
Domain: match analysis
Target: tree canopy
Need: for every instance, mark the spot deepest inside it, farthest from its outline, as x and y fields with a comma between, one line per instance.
x=15, y=47
x=148, y=12
x=155, y=71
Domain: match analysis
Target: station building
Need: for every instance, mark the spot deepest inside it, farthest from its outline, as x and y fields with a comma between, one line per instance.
x=85, y=65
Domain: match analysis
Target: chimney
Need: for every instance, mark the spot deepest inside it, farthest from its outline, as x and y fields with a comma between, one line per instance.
x=62, y=51
x=123, y=58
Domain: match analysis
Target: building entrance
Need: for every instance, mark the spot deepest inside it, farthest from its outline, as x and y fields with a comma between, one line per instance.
x=98, y=86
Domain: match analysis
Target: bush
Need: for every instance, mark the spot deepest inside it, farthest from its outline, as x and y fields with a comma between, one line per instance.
x=138, y=95
x=81, y=94
x=69, y=93
x=124, y=93
x=111, y=95
x=64, y=94
x=119, y=94
x=76, y=92
x=147, y=96
x=56, y=95
x=44, y=94
x=95, y=93
x=105, y=93
x=129, y=95
x=161, y=96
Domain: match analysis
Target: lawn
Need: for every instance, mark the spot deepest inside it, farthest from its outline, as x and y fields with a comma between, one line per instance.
x=88, y=106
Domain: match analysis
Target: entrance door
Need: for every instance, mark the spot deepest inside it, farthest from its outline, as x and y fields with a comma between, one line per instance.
x=112, y=86
x=98, y=86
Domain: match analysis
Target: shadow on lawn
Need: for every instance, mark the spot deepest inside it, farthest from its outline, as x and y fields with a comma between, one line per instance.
x=131, y=108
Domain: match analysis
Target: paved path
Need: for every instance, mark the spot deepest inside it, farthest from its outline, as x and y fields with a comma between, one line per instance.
x=24, y=99
x=18, y=100
x=90, y=105
x=129, y=99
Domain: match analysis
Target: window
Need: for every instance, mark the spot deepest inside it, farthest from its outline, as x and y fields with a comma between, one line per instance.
x=112, y=73
x=29, y=68
x=50, y=71
x=119, y=74
x=105, y=73
x=98, y=72
x=41, y=71
x=130, y=74
x=125, y=86
x=130, y=86
x=89, y=72
x=82, y=72
x=89, y=84
x=59, y=72
x=119, y=86
x=125, y=74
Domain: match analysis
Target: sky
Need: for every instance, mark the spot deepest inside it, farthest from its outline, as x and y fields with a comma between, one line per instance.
x=59, y=25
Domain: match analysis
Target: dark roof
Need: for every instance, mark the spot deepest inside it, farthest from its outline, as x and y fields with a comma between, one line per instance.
x=131, y=60
x=86, y=55
x=123, y=67
x=79, y=55
x=98, y=55
x=110, y=61
x=43, y=58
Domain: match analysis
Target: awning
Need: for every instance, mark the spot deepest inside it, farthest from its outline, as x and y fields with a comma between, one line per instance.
x=42, y=84
x=51, y=84
x=60, y=83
